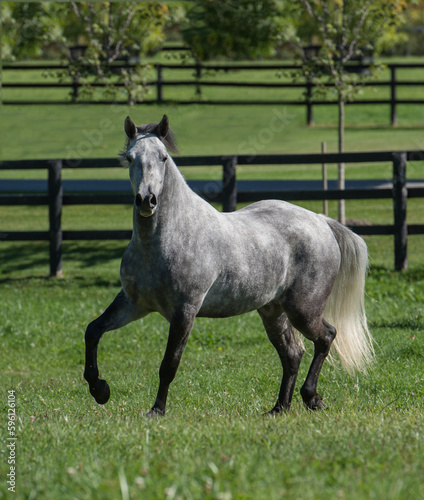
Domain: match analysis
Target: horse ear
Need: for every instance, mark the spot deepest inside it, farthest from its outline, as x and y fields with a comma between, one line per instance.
x=163, y=127
x=130, y=128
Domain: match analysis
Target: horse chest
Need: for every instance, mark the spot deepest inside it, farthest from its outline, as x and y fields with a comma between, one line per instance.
x=151, y=282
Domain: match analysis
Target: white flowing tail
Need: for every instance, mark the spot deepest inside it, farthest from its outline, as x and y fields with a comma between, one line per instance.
x=345, y=307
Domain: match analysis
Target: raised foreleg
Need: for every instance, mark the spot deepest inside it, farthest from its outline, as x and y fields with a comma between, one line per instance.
x=120, y=312
x=179, y=331
x=289, y=348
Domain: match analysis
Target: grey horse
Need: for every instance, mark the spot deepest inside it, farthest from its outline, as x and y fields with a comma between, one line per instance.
x=300, y=271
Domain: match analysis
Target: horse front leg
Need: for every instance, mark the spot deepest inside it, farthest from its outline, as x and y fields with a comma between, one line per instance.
x=179, y=331
x=120, y=312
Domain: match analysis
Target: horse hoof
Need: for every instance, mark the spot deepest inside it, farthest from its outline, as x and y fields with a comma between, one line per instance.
x=100, y=392
x=155, y=412
x=276, y=411
x=315, y=403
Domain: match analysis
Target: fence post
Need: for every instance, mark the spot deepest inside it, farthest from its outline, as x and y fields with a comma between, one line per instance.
x=55, y=214
x=400, y=194
x=75, y=91
x=309, y=112
x=159, y=82
x=198, y=77
x=229, y=185
x=393, y=110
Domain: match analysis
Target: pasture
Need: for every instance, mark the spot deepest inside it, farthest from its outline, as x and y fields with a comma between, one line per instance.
x=214, y=442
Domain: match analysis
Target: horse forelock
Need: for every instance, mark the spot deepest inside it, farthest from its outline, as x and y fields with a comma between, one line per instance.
x=168, y=140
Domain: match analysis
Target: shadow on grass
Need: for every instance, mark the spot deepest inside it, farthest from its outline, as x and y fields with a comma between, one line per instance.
x=91, y=254
x=88, y=262
x=18, y=256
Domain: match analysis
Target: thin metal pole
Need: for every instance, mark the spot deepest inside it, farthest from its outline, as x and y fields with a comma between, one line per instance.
x=393, y=110
x=324, y=178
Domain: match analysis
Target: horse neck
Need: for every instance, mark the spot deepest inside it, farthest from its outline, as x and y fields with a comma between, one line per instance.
x=177, y=201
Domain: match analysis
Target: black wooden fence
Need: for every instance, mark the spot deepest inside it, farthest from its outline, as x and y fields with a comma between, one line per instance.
x=201, y=79
x=228, y=195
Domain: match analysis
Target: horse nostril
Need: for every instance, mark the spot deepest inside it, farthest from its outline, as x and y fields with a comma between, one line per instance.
x=138, y=200
x=153, y=201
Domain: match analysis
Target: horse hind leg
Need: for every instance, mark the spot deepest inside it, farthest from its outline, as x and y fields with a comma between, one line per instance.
x=289, y=349
x=322, y=335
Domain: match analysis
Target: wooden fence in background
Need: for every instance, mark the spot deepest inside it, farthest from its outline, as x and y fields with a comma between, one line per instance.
x=228, y=195
x=198, y=80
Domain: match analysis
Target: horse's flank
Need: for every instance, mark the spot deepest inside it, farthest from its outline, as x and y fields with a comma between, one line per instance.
x=229, y=263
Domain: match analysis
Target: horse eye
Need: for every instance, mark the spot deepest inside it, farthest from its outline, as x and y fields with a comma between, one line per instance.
x=165, y=158
x=129, y=158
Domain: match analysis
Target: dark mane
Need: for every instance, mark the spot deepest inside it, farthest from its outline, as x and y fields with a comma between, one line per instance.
x=169, y=140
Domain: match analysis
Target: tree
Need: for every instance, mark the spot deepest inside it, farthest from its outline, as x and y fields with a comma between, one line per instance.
x=28, y=27
x=114, y=31
x=345, y=29
x=236, y=29
x=108, y=32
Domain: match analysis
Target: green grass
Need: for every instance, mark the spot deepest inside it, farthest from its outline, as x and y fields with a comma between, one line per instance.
x=80, y=131
x=213, y=443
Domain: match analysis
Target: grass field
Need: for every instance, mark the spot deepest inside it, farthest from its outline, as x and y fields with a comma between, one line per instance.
x=214, y=442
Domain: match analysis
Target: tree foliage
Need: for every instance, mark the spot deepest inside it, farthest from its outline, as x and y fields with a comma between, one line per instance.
x=107, y=31
x=29, y=27
x=344, y=30
x=235, y=29
x=114, y=31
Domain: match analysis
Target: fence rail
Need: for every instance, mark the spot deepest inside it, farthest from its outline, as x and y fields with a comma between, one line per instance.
x=226, y=192
x=198, y=81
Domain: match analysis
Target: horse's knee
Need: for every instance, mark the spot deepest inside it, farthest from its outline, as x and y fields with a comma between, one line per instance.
x=92, y=334
x=92, y=337
x=295, y=355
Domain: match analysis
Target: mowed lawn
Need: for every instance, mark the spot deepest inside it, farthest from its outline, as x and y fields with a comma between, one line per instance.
x=214, y=442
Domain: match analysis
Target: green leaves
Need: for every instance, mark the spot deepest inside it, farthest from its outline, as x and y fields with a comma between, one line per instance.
x=90, y=36
x=236, y=29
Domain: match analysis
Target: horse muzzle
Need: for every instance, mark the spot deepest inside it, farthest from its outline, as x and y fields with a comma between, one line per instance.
x=146, y=205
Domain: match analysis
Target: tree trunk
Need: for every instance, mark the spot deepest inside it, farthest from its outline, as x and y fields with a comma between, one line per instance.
x=341, y=169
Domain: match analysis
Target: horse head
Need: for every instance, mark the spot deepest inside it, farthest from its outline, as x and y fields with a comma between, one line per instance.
x=146, y=155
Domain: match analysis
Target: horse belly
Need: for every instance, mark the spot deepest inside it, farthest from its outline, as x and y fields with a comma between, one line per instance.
x=223, y=301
